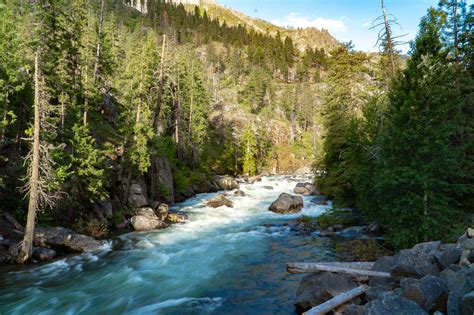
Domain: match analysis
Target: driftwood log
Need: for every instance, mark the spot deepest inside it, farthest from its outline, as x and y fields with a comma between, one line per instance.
x=297, y=267
x=337, y=301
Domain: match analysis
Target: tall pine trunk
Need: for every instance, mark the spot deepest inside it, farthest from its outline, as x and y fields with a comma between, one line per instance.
x=27, y=244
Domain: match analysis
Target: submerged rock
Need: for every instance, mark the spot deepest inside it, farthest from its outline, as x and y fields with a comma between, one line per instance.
x=319, y=200
x=65, y=239
x=239, y=193
x=306, y=189
x=219, y=201
x=287, y=203
x=268, y=187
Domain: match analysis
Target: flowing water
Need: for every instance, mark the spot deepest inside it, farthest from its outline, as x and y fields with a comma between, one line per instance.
x=221, y=261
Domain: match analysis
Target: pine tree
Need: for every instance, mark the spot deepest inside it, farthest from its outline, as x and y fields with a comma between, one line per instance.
x=249, y=149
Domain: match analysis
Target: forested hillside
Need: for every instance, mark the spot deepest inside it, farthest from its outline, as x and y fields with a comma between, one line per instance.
x=96, y=96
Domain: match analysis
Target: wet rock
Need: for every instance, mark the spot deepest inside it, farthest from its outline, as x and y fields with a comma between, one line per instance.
x=43, y=254
x=219, y=201
x=430, y=293
x=64, y=239
x=306, y=189
x=225, y=182
x=352, y=232
x=319, y=200
x=180, y=196
x=239, y=193
x=162, y=211
x=287, y=203
x=391, y=304
x=145, y=219
x=268, y=187
x=176, y=217
x=315, y=289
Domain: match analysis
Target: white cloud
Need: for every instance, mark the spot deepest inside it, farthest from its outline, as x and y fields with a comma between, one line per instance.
x=296, y=20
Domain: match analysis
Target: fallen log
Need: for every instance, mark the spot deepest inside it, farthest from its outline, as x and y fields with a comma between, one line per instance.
x=366, y=265
x=337, y=301
x=312, y=267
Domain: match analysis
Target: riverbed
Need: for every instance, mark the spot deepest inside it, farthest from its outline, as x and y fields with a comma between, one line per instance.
x=221, y=261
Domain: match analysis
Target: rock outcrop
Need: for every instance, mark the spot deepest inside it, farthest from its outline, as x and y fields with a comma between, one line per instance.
x=287, y=203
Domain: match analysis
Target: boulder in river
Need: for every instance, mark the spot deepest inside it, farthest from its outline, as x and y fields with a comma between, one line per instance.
x=176, y=217
x=239, y=193
x=65, y=239
x=268, y=187
x=162, y=211
x=219, y=201
x=287, y=203
x=306, y=189
x=145, y=219
x=225, y=182
x=253, y=179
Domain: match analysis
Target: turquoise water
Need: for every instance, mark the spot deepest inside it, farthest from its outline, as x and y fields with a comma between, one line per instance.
x=222, y=261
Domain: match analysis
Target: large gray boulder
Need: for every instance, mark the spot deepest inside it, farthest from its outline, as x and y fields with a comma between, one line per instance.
x=306, y=189
x=467, y=306
x=315, y=289
x=447, y=255
x=287, y=203
x=145, y=219
x=430, y=293
x=176, y=217
x=65, y=240
x=416, y=262
x=219, y=201
x=225, y=182
x=391, y=304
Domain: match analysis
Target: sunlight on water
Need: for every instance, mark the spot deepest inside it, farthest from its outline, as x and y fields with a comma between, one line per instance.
x=224, y=260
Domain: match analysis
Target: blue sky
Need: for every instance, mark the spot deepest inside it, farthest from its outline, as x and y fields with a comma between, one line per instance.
x=345, y=19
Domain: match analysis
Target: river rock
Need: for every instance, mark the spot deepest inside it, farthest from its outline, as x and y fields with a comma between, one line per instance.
x=268, y=187
x=306, y=189
x=162, y=211
x=219, y=201
x=391, y=304
x=225, y=182
x=353, y=231
x=254, y=179
x=145, y=219
x=287, y=203
x=43, y=254
x=430, y=293
x=239, y=193
x=315, y=289
x=176, y=217
x=65, y=239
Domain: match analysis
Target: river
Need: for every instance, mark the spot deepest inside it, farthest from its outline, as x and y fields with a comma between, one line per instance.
x=221, y=261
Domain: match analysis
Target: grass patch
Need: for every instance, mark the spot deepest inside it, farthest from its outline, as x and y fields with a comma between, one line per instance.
x=336, y=216
x=363, y=250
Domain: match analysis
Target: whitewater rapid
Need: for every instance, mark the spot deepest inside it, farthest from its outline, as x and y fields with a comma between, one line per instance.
x=224, y=260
